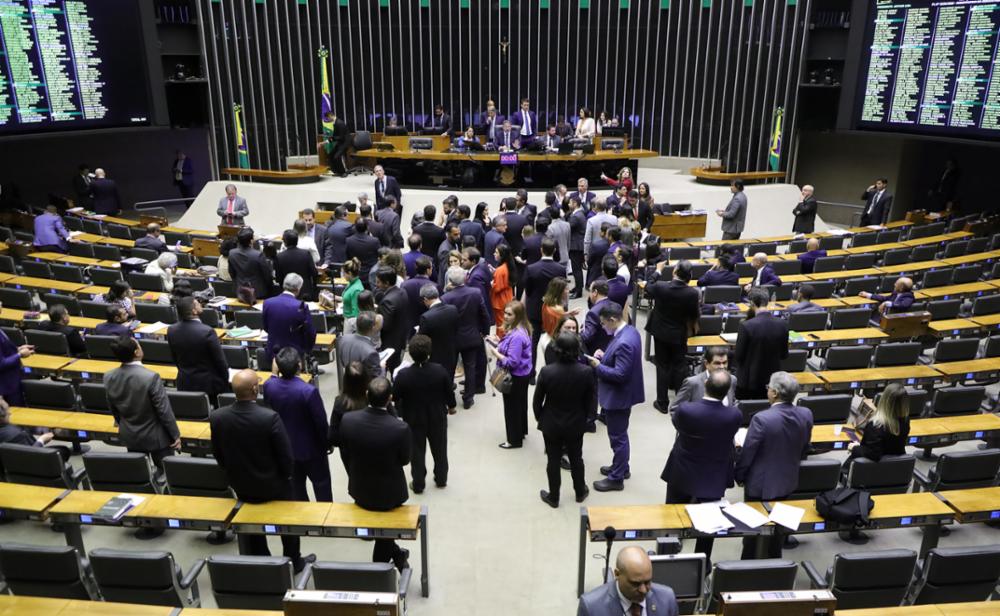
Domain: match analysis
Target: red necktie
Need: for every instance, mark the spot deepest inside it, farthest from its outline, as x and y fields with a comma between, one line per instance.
x=635, y=609
x=229, y=208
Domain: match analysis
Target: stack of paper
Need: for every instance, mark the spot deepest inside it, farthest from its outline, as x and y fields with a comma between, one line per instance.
x=740, y=437
x=786, y=515
x=746, y=514
x=152, y=328
x=244, y=332
x=707, y=518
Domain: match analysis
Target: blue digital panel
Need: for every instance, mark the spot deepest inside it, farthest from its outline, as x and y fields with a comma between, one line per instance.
x=81, y=433
x=913, y=440
x=630, y=534
x=174, y=523
x=905, y=521
x=979, y=434
x=270, y=528
x=838, y=445
x=819, y=526
x=995, y=515
x=85, y=375
x=86, y=519
x=361, y=532
x=911, y=381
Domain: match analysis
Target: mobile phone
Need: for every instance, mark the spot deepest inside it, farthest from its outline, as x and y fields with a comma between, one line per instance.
x=851, y=434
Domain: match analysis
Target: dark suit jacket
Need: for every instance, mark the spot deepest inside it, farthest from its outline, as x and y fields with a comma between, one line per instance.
x=473, y=228
x=105, y=196
x=251, y=444
x=531, y=251
x=379, y=231
x=776, y=441
x=701, y=462
x=715, y=278
x=536, y=281
x=288, y=323
x=415, y=305
x=112, y=329
x=675, y=310
x=395, y=319
x=432, y=236
x=10, y=372
x=604, y=601
x=301, y=410
x=583, y=198
x=337, y=233
x=298, y=261
x=473, y=318
x=529, y=211
x=565, y=398
x=490, y=242
x=365, y=248
x=805, y=216
x=390, y=220
x=151, y=243
x=141, y=409
x=319, y=237
x=480, y=277
x=375, y=446
x=598, y=250
x=577, y=230
x=440, y=322
x=517, y=119
x=875, y=213
x=17, y=435
x=899, y=302
x=618, y=291
x=619, y=375
x=391, y=188
x=440, y=124
x=423, y=394
x=593, y=335
x=767, y=277
x=877, y=441
x=73, y=338
x=81, y=189
x=808, y=260
x=761, y=344
x=187, y=172
x=197, y=352
x=515, y=224
x=249, y=267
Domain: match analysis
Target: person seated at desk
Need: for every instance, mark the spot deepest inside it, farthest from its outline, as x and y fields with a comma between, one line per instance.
x=900, y=300
x=469, y=136
x=764, y=275
x=17, y=435
x=734, y=251
x=506, y=139
x=117, y=323
x=50, y=233
x=232, y=208
x=153, y=239
x=59, y=323
x=632, y=592
x=693, y=388
x=808, y=258
x=438, y=123
x=723, y=273
x=888, y=429
x=551, y=140
x=165, y=267
x=804, y=301
x=120, y=294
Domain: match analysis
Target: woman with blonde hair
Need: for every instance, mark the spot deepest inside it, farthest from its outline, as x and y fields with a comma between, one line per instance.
x=888, y=428
x=624, y=178
x=513, y=352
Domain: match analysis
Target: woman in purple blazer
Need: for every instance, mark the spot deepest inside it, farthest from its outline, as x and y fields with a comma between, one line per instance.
x=513, y=352
x=10, y=370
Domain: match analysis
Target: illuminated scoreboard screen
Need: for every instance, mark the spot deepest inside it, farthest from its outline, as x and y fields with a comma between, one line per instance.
x=67, y=64
x=931, y=66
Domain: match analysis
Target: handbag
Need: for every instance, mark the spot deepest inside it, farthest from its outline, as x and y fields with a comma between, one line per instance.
x=845, y=505
x=246, y=294
x=501, y=380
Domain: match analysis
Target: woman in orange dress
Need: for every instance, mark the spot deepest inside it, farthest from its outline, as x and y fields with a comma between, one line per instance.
x=556, y=296
x=504, y=279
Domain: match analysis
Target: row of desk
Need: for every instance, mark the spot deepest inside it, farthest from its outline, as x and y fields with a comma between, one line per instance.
x=928, y=511
x=952, y=372
x=74, y=509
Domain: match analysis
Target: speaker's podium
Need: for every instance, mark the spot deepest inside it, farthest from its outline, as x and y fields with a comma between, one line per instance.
x=785, y=602
x=679, y=226
x=341, y=603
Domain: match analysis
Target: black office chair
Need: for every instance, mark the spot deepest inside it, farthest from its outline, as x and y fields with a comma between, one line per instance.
x=749, y=408
x=779, y=294
x=99, y=347
x=956, y=349
x=861, y=261
x=828, y=409
x=94, y=398
x=897, y=354
x=992, y=348
x=151, y=313
x=197, y=282
x=224, y=288
x=733, y=321
x=120, y=472
x=952, y=575
x=750, y=575
x=79, y=249
x=850, y=318
x=67, y=273
x=144, y=253
x=250, y=582
x=145, y=282
x=48, y=343
x=942, y=309
x=890, y=475
x=254, y=319
x=797, y=246
x=864, y=239
x=104, y=276
x=829, y=264
x=357, y=577
x=866, y=579
x=684, y=574
x=978, y=245
x=94, y=310
x=831, y=242
x=71, y=304
x=150, y=578
x=853, y=286
x=955, y=249
x=36, y=269
x=106, y=252
x=39, y=466
x=923, y=253
x=960, y=470
x=189, y=405
x=787, y=268
x=94, y=227
x=156, y=351
x=46, y=394
x=957, y=400
x=15, y=334
x=768, y=248
x=845, y=358
x=896, y=256
x=690, y=253
x=823, y=289
x=188, y=476
x=807, y=320
x=58, y=572
x=816, y=475
x=118, y=232
x=16, y=298
x=987, y=304
x=964, y=274
x=938, y=278
x=715, y=295
x=795, y=362
x=237, y=357
x=710, y=325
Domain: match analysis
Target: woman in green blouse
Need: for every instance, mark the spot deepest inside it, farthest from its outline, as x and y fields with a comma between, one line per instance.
x=352, y=272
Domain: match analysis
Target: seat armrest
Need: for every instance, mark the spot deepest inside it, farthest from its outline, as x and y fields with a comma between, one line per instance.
x=816, y=578
x=192, y=574
x=921, y=478
x=404, y=581
x=78, y=476
x=304, y=577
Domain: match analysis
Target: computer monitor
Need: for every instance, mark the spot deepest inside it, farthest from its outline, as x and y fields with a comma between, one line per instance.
x=421, y=143
x=613, y=131
x=612, y=144
x=684, y=573
x=566, y=147
x=395, y=131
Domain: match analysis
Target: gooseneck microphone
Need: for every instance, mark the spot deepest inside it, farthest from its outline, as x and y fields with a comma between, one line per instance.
x=609, y=537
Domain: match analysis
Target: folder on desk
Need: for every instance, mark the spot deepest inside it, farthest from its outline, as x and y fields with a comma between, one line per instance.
x=118, y=506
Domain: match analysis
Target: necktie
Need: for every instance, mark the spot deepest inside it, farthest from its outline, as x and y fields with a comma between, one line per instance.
x=229, y=207
x=526, y=129
x=549, y=142
x=635, y=609
x=756, y=282
x=383, y=186
x=507, y=138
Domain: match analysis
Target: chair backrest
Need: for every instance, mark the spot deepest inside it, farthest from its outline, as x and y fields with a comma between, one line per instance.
x=923, y=253
x=172, y=237
x=749, y=408
x=683, y=573
x=978, y=245
x=807, y=320
x=992, y=347
x=250, y=582
x=951, y=575
x=119, y=472
x=94, y=398
x=733, y=321
x=856, y=285
x=955, y=249
x=938, y=278
x=225, y=288
x=849, y=318
x=188, y=476
x=94, y=310
x=118, y=231
x=797, y=246
x=71, y=304
x=829, y=264
x=151, y=313
x=38, y=466
x=831, y=242
x=237, y=357
x=816, y=475
x=896, y=256
x=355, y=577
x=48, y=394
x=941, y=309
x=145, y=282
x=897, y=354
x=750, y=575
x=864, y=239
x=36, y=269
x=964, y=274
x=862, y=261
x=987, y=304
x=49, y=343
x=956, y=349
x=254, y=319
x=67, y=273
x=780, y=294
x=713, y=295
x=107, y=253
x=685, y=252
x=890, y=475
x=870, y=579
x=78, y=249
x=103, y=276
x=823, y=289
x=144, y=253
x=93, y=226
x=16, y=298
x=795, y=362
x=828, y=409
x=710, y=324
x=189, y=405
x=99, y=347
x=786, y=268
x=210, y=317
x=136, y=577
x=848, y=357
x=16, y=335
x=156, y=351
x=961, y=470
x=744, y=269
x=768, y=248
x=45, y=571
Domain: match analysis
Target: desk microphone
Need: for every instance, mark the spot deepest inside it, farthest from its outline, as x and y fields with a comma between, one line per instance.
x=609, y=537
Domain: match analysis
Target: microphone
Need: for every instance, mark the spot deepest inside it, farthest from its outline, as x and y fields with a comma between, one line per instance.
x=609, y=537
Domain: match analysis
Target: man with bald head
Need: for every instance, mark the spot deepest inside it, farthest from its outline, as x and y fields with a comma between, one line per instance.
x=632, y=592
x=808, y=258
x=805, y=212
x=250, y=443
x=763, y=273
x=900, y=300
x=105, y=194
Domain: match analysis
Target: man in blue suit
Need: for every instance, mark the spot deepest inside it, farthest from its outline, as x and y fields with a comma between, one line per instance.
x=287, y=320
x=583, y=194
x=301, y=409
x=808, y=258
x=526, y=121
x=763, y=273
x=776, y=442
x=337, y=233
x=632, y=592
x=50, y=234
x=473, y=323
x=619, y=387
x=494, y=237
x=700, y=466
x=479, y=277
x=593, y=336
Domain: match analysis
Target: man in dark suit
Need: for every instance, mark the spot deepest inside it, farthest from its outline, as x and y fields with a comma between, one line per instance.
x=551, y=139
x=761, y=344
x=301, y=410
x=359, y=347
x=140, y=405
x=251, y=445
x=473, y=323
x=723, y=273
x=153, y=240
x=81, y=187
x=412, y=285
x=515, y=227
x=536, y=281
x=674, y=316
x=375, y=228
x=385, y=185
x=389, y=217
x=479, y=275
x=618, y=289
x=632, y=592
x=577, y=230
x=105, y=194
x=468, y=227
x=115, y=323
x=805, y=212
x=700, y=466
x=808, y=258
x=804, y=301
x=619, y=388
x=490, y=121
x=287, y=320
x=776, y=442
x=440, y=322
x=522, y=207
x=232, y=209
x=900, y=300
x=315, y=231
x=714, y=359
x=336, y=236
x=248, y=267
x=375, y=446
x=59, y=323
x=182, y=172
x=506, y=139
x=596, y=252
x=363, y=246
x=295, y=260
x=430, y=234
x=526, y=122
x=763, y=273
x=583, y=194
x=593, y=335
x=424, y=395
x=410, y=257
x=878, y=203
x=395, y=313
x=337, y=143
x=495, y=237
x=452, y=241
x=438, y=123
x=197, y=353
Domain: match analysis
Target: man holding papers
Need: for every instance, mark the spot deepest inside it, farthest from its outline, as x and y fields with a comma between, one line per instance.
x=768, y=463
x=700, y=466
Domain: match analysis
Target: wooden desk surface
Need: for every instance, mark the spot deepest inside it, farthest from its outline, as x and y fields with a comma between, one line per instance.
x=85, y=322
x=855, y=301
x=284, y=513
x=636, y=517
x=807, y=378
x=92, y=422
x=888, y=373
x=46, y=362
x=833, y=335
x=967, y=423
x=45, y=284
x=973, y=258
x=860, y=250
x=23, y=497
x=938, y=239
x=31, y=606
x=706, y=341
x=203, y=611
x=946, y=326
x=952, y=368
x=351, y=516
x=887, y=506
x=916, y=266
x=955, y=289
x=984, y=608
x=166, y=506
x=976, y=500
x=107, y=608
x=100, y=366
x=987, y=321
x=909, y=610
x=85, y=502
x=825, y=434
x=856, y=273
x=91, y=238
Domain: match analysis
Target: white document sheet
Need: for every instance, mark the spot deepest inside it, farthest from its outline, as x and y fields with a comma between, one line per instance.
x=786, y=515
x=740, y=437
x=708, y=518
x=746, y=514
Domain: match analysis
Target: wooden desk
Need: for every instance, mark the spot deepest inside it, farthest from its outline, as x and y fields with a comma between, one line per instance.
x=855, y=301
x=975, y=505
x=98, y=426
x=991, y=321
x=95, y=369
x=857, y=273
x=697, y=344
x=808, y=380
x=91, y=238
x=202, y=611
x=987, y=367
x=184, y=512
x=952, y=327
x=916, y=266
x=873, y=377
x=11, y=605
x=42, y=364
x=956, y=290
x=43, y=284
x=937, y=239
x=108, y=608
x=987, y=257
x=953, y=429
x=26, y=501
x=860, y=335
x=861, y=250
x=678, y=226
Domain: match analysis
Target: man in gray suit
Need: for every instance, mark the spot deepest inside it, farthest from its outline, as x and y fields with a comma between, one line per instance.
x=804, y=302
x=139, y=404
x=776, y=442
x=360, y=348
x=693, y=387
x=632, y=592
x=593, y=230
x=559, y=231
x=735, y=213
x=232, y=208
